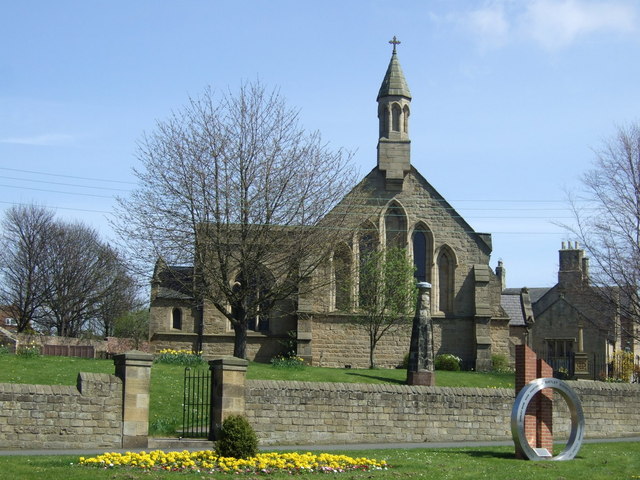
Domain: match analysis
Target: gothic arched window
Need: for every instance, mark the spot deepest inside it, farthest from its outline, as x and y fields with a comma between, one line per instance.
x=422, y=253
x=405, y=119
x=256, y=302
x=383, y=120
x=446, y=271
x=367, y=244
x=395, y=223
x=176, y=319
x=342, y=277
x=395, y=117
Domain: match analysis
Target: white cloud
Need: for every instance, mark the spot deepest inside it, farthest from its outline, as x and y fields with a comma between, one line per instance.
x=47, y=140
x=559, y=23
x=490, y=24
x=553, y=24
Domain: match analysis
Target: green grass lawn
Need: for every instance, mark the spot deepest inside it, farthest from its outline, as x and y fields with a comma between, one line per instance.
x=167, y=380
x=600, y=461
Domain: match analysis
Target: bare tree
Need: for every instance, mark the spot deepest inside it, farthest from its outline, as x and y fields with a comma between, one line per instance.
x=387, y=294
x=232, y=185
x=607, y=222
x=120, y=295
x=81, y=274
x=24, y=236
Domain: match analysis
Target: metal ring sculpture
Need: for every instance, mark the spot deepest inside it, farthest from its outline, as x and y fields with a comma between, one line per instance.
x=520, y=409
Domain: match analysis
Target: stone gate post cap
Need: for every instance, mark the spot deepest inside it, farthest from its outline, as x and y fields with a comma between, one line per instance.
x=424, y=285
x=133, y=355
x=229, y=361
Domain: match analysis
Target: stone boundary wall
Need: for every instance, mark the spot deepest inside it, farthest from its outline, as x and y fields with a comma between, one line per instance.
x=338, y=413
x=61, y=416
x=610, y=410
x=103, y=348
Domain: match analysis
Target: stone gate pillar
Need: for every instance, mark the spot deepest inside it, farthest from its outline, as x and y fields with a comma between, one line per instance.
x=134, y=369
x=228, y=378
x=538, y=423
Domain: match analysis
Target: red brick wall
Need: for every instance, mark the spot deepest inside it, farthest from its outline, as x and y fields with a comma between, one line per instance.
x=539, y=418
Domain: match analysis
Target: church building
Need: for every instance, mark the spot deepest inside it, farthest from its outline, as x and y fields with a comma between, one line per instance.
x=399, y=208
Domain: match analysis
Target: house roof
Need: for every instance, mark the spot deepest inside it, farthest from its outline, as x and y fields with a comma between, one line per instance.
x=535, y=293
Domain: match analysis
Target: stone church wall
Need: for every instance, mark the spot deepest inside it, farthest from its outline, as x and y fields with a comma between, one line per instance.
x=337, y=341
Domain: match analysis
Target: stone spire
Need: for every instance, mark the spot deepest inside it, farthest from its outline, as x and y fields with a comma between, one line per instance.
x=394, y=83
x=394, y=107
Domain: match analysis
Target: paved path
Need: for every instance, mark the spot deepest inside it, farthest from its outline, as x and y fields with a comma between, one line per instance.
x=201, y=445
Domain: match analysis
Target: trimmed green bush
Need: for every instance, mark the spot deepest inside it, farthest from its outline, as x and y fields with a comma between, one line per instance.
x=500, y=363
x=237, y=438
x=448, y=362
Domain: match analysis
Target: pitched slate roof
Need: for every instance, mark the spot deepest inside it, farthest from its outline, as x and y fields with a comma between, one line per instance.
x=535, y=293
x=174, y=282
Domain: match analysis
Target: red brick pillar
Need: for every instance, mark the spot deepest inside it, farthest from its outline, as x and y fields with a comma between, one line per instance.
x=538, y=424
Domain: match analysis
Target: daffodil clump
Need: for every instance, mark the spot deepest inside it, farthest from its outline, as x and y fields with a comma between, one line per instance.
x=179, y=357
x=207, y=461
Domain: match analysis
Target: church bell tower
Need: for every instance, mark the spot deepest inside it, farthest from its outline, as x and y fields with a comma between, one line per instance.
x=394, y=108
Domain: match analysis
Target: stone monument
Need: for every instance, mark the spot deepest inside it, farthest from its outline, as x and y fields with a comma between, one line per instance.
x=420, y=370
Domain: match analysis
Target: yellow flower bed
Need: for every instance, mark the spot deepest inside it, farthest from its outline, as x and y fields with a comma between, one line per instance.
x=209, y=461
x=171, y=351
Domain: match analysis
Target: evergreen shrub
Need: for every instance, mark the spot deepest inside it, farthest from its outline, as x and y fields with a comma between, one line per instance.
x=237, y=438
x=448, y=362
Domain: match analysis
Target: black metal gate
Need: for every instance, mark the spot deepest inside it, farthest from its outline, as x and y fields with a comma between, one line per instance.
x=196, y=403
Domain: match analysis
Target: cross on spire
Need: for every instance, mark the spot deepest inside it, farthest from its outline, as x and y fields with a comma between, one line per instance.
x=394, y=42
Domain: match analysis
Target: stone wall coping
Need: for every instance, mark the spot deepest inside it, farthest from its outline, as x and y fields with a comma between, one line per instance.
x=593, y=385
x=380, y=388
x=98, y=377
x=23, y=388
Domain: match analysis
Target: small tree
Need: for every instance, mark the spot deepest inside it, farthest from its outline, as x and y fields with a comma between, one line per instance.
x=387, y=293
x=133, y=325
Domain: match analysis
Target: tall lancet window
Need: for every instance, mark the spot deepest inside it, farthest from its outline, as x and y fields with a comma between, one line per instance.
x=446, y=278
x=396, y=113
x=405, y=119
x=395, y=224
x=367, y=244
x=422, y=253
x=342, y=277
x=383, y=117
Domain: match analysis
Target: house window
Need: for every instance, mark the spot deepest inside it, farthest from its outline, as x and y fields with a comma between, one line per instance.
x=560, y=347
x=176, y=319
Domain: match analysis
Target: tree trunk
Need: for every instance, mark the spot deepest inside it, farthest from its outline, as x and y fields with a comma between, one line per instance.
x=240, y=340
x=372, y=358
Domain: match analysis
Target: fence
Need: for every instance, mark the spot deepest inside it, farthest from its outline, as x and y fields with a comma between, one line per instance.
x=600, y=367
x=82, y=351
x=196, y=405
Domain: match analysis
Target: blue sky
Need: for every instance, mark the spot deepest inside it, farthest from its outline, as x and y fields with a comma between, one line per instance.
x=510, y=97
